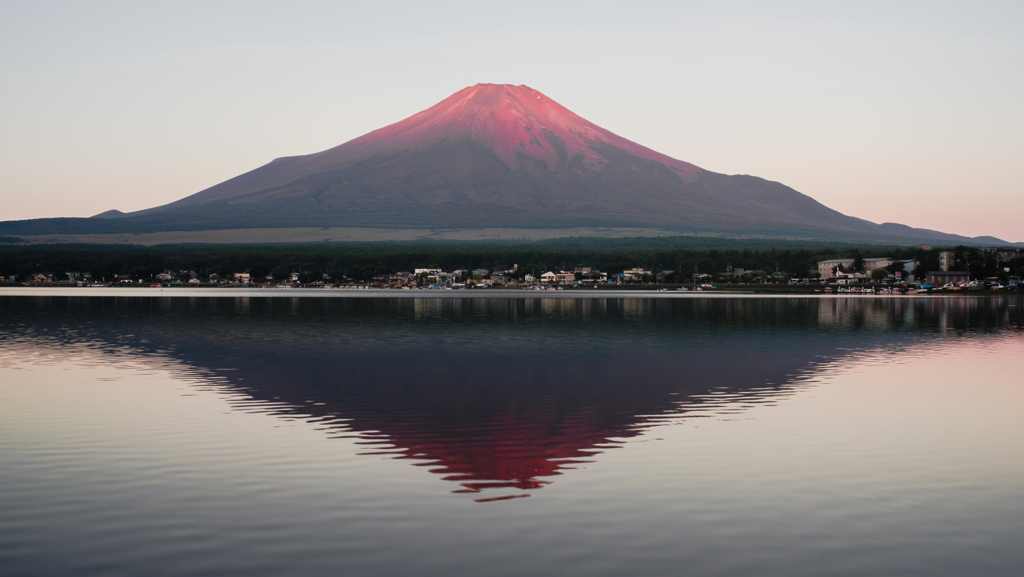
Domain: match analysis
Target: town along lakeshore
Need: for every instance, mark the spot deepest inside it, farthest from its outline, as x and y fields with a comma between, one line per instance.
x=762, y=265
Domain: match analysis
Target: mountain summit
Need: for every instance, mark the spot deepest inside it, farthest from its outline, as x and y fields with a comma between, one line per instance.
x=511, y=121
x=494, y=156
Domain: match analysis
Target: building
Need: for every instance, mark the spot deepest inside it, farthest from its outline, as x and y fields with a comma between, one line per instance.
x=942, y=277
x=946, y=260
x=400, y=279
x=1005, y=259
x=832, y=268
x=635, y=274
x=871, y=264
x=735, y=272
x=560, y=277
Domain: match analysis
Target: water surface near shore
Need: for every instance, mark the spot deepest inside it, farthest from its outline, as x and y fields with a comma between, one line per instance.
x=598, y=436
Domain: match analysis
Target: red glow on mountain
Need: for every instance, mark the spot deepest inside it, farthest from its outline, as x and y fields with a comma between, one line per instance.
x=510, y=120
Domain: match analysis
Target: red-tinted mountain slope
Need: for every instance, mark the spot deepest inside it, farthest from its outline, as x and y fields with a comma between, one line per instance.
x=511, y=121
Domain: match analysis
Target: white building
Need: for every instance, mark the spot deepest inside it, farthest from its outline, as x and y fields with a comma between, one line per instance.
x=565, y=277
x=635, y=274
x=832, y=268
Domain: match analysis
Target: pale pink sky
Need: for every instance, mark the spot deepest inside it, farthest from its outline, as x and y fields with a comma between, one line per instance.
x=890, y=111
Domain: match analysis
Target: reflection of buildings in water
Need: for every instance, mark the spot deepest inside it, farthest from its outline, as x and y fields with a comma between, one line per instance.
x=576, y=308
x=860, y=311
x=509, y=308
x=498, y=308
x=963, y=313
x=565, y=306
x=635, y=308
x=163, y=304
x=930, y=314
x=428, y=308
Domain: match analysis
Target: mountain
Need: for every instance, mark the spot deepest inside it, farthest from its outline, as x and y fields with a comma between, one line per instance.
x=500, y=155
x=495, y=156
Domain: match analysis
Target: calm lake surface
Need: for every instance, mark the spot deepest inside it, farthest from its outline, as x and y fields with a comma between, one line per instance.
x=603, y=436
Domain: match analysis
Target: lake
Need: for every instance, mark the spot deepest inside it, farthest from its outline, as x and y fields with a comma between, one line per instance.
x=245, y=435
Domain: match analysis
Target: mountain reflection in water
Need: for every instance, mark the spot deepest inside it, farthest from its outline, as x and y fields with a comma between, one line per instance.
x=498, y=396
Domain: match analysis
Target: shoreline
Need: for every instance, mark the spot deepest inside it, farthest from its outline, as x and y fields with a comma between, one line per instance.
x=211, y=292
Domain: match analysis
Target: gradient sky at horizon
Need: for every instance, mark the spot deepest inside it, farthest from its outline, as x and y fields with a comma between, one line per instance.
x=903, y=112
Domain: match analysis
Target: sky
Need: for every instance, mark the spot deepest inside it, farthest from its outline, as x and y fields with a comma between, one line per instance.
x=897, y=111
